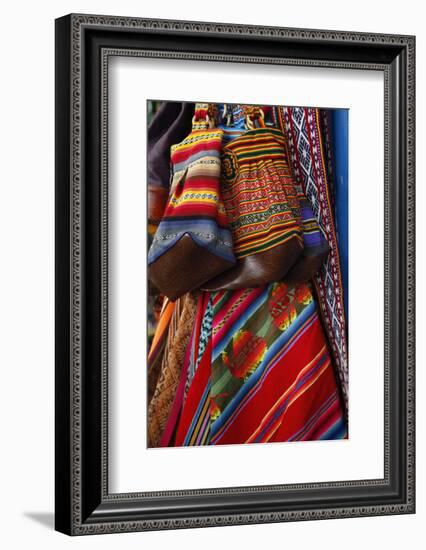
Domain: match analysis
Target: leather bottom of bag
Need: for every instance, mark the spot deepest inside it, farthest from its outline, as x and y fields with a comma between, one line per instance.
x=184, y=267
x=258, y=269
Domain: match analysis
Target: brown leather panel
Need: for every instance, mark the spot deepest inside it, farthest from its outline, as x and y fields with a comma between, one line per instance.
x=173, y=277
x=157, y=200
x=258, y=269
x=305, y=268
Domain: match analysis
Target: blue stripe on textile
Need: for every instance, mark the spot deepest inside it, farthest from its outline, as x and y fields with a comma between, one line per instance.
x=193, y=224
x=266, y=364
x=300, y=383
x=206, y=395
x=215, y=245
x=337, y=431
x=312, y=419
x=179, y=166
x=290, y=332
x=339, y=136
x=197, y=225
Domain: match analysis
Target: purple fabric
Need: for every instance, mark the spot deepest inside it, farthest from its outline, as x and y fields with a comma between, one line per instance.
x=171, y=123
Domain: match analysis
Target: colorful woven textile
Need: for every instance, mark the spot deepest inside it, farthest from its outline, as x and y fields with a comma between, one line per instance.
x=265, y=374
x=257, y=366
x=302, y=127
x=194, y=422
x=315, y=246
x=202, y=334
x=264, y=371
x=233, y=124
x=193, y=242
x=195, y=206
x=334, y=124
x=178, y=335
x=258, y=190
x=231, y=120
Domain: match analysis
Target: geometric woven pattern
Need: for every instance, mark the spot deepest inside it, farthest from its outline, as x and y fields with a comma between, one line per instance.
x=302, y=128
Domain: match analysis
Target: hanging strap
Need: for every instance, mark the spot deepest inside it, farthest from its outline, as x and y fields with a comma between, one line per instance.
x=255, y=117
x=204, y=116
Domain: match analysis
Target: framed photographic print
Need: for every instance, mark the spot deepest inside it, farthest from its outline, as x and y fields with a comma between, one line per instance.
x=234, y=274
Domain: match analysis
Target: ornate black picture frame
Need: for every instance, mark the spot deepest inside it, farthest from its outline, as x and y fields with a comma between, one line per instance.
x=84, y=44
